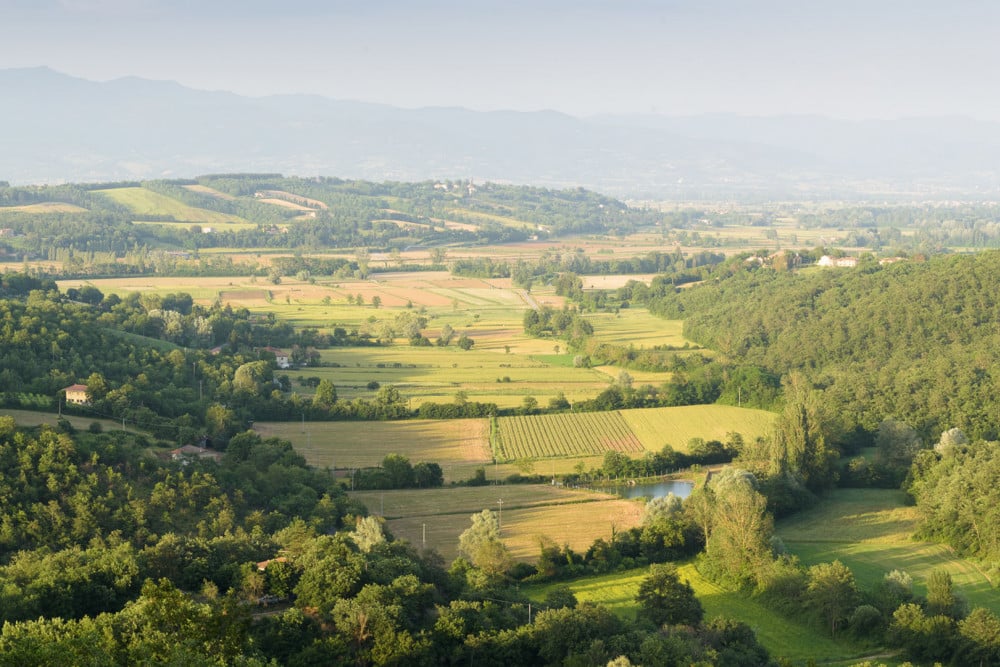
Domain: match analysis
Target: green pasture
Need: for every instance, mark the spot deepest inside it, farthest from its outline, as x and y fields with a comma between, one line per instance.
x=438, y=373
x=870, y=530
x=143, y=202
x=636, y=326
x=32, y=418
x=783, y=637
x=676, y=426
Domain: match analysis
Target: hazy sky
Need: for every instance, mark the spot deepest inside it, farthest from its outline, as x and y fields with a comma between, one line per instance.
x=842, y=58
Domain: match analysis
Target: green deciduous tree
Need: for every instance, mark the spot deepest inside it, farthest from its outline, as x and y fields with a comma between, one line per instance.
x=481, y=544
x=831, y=593
x=664, y=599
x=326, y=394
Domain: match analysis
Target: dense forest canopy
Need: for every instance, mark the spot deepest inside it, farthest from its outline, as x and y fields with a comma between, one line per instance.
x=911, y=340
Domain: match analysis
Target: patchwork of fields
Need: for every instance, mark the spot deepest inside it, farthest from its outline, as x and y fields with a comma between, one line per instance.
x=544, y=444
x=632, y=431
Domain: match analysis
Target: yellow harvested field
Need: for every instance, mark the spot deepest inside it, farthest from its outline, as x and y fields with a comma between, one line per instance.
x=45, y=207
x=656, y=427
x=285, y=204
x=615, y=281
x=202, y=289
x=212, y=192
x=531, y=514
x=290, y=196
x=459, y=446
x=639, y=378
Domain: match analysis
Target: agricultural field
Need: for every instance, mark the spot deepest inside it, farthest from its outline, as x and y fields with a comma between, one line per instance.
x=783, y=637
x=639, y=328
x=202, y=290
x=615, y=281
x=438, y=373
x=212, y=192
x=633, y=431
x=530, y=514
x=459, y=446
x=143, y=202
x=541, y=436
x=45, y=207
x=227, y=226
x=32, y=418
x=676, y=426
x=870, y=531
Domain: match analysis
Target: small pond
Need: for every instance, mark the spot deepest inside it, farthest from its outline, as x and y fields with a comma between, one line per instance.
x=652, y=489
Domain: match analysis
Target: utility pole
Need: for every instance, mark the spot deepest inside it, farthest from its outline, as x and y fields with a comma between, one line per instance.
x=500, y=517
x=424, y=541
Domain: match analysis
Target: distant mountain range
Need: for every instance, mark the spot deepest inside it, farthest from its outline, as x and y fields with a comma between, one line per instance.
x=58, y=128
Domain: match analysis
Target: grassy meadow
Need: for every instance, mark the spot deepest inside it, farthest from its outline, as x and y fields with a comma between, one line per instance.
x=144, y=202
x=32, y=418
x=783, y=637
x=870, y=530
x=530, y=514
x=636, y=326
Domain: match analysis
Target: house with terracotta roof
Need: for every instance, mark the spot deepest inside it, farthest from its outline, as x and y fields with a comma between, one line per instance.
x=77, y=394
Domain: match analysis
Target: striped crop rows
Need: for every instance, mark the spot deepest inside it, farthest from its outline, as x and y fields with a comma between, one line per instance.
x=575, y=434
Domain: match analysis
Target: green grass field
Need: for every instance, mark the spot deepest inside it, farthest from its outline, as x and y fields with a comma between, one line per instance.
x=869, y=531
x=783, y=637
x=676, y=426
x=531, y=513
x=437, y=374
x=32, y=418
x=143, y=202
x=638, y=327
